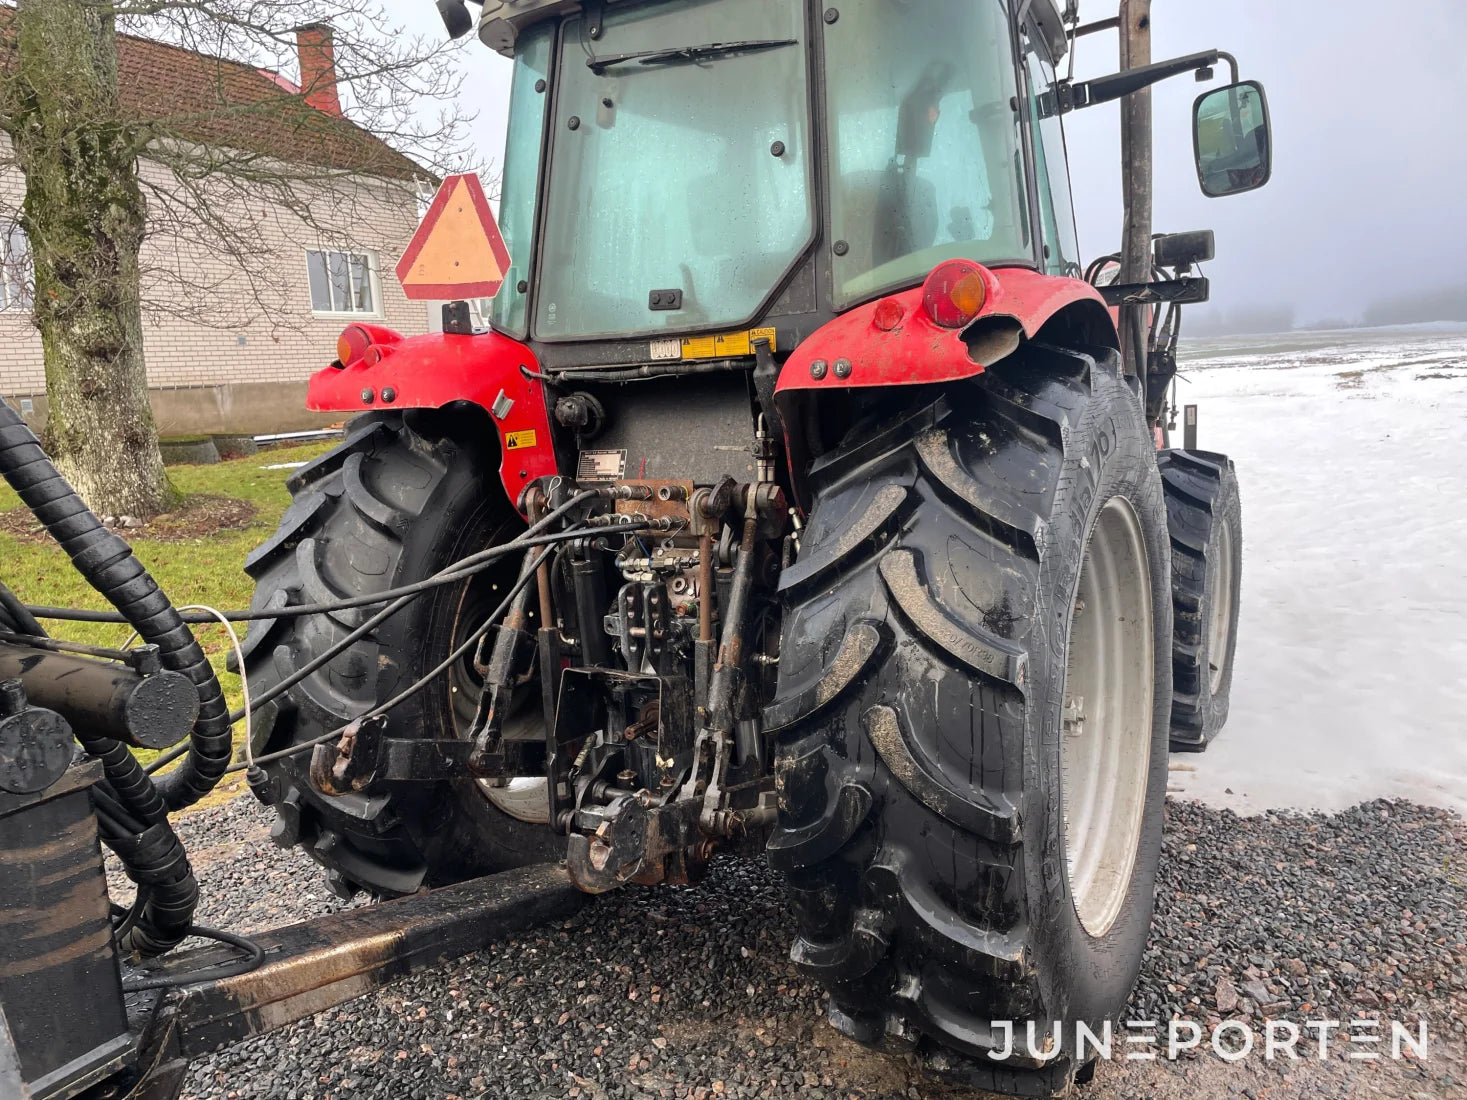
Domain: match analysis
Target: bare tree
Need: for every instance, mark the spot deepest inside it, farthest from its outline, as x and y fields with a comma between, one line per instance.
x=109, y=159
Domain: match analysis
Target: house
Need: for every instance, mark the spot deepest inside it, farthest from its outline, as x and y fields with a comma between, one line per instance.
x=227, y=350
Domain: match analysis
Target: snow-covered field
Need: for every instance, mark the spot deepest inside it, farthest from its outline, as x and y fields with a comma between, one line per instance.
x=1351, y=673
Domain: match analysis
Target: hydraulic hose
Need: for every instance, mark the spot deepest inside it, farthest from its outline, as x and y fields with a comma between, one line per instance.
x=459, y=570
x=131, y=811
x=16, y=615
x=371, y=624
x=155, y=860
x=108, y=565
x=464, y=648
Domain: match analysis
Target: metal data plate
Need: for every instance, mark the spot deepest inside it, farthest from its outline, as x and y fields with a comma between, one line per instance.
x=601, y=465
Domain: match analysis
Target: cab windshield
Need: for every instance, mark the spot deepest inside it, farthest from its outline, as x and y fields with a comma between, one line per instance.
x=679, y=171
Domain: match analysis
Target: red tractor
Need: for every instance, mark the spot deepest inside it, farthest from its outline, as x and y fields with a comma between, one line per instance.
x=801, y=497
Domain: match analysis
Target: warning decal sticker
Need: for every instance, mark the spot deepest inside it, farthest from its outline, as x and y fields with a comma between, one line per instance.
x=726, y=345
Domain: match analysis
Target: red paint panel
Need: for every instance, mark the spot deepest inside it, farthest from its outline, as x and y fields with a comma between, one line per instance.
x=915, y=350
x=428, y=372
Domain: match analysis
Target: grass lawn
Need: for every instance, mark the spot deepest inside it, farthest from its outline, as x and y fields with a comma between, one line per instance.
x=208, y=570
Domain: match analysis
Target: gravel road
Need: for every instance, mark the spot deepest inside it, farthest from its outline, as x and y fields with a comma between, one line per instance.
x=679, y=992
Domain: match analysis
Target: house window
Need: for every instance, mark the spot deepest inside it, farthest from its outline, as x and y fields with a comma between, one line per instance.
x=343, y=282
x=15, y=267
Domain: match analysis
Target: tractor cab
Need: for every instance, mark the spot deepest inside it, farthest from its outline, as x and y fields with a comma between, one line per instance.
x=679, y=168
x=685, y=168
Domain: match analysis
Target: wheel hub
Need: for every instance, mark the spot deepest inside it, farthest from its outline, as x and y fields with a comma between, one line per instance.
x=1220, y=611
x=1105, y=752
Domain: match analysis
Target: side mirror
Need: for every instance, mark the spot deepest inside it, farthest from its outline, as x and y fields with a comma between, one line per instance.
x=1230, y=139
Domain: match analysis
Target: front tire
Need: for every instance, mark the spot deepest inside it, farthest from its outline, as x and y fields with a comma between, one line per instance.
x=1205, y=519
x=949, y=865
x=397, y=501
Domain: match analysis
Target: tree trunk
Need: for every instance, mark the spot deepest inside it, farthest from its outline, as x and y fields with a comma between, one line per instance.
x=84, y=214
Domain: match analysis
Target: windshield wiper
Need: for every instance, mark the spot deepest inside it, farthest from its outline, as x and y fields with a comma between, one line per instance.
x=686, y=53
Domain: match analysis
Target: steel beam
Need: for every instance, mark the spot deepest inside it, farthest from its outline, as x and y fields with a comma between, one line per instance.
x=318, y=964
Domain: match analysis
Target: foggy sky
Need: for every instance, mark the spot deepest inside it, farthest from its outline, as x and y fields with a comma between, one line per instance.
x=1370, y=150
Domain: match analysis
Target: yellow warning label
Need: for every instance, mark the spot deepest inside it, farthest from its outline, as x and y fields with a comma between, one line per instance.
x=726, y=345
x=513, y=441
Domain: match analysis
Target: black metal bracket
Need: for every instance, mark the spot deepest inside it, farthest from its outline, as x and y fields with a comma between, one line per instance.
x=363, y=757
x=409, y=759
x=457, y=320
x=509, y=658
x=1189, y=289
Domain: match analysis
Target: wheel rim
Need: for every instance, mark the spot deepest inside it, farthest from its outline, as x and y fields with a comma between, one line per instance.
x=522, y=798
x=1105, y=749
x=1220, y=613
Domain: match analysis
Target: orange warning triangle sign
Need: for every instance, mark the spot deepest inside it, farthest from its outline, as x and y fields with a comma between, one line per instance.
x=457, y=251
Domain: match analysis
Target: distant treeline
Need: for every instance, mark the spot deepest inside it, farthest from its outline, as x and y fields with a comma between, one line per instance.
x=1237, y=322
x=1446, y=304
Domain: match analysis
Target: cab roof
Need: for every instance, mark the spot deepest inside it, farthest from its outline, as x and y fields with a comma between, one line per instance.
x=501, y=21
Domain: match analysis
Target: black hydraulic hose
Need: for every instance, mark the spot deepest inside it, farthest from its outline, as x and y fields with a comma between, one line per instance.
x=459, y=570
x=108, y=805
x=16, y=615
x=132, y=811
x=464, y=648
x=252, y=955
x=126, y=779
x=129, y=916
x=360, y=632
x=155, y=860
x=108, y=565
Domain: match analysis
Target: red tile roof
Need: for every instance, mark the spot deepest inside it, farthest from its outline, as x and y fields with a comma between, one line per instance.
x=227, y=104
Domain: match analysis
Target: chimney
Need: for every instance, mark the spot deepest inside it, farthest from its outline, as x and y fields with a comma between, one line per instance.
x=316, y=47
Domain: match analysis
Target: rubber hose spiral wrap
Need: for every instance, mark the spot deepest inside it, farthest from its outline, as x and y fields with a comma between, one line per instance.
x=108, y=565
x=154, y=858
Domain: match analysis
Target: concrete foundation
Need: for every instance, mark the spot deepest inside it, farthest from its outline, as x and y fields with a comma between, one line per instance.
x=239, y=408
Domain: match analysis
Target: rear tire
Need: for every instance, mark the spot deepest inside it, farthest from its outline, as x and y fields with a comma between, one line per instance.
x=1205, y=519
x=394, y=503
x=920, y=712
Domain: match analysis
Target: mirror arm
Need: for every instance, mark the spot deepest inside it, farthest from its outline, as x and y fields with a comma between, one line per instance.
x=1094, y=28
x=1104, y=89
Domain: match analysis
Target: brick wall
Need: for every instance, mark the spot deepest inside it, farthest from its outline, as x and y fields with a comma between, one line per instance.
x=239, y=328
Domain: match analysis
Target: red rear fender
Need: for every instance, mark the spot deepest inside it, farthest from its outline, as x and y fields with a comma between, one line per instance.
x=429, y=372
x=894, y=342
x=857, y=351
